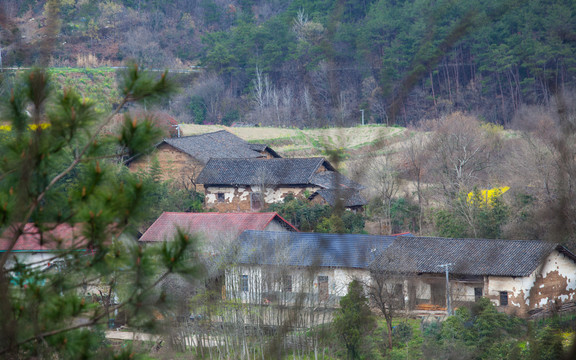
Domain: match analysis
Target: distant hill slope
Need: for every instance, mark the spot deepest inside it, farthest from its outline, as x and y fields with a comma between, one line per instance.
x=98, y=84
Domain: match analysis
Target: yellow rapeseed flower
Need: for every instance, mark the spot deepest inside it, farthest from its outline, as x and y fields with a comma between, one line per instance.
x=488, y=195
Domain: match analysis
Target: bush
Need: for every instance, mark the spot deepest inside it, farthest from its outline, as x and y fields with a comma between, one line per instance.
x=448, y=225
x=402, y=333
x=307, y=216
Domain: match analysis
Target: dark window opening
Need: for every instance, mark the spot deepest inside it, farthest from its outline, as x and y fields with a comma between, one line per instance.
x=399, y=295
x=256, y=201
x=244, y=283
x=477, y=293
x=220, y=197
x=287, y=283
x=503, y=298
x=438, y=293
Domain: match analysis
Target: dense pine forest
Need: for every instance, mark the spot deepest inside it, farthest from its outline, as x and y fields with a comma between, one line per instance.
x=321, y=63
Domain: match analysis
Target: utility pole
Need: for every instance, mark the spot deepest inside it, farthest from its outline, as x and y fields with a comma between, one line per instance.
x=362, y=111
x=177, y=126
x=448, y=305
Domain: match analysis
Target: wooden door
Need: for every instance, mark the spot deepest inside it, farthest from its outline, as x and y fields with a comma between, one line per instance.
x=323, y=288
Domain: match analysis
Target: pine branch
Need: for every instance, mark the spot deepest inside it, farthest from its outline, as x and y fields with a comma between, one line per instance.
x=92, y=322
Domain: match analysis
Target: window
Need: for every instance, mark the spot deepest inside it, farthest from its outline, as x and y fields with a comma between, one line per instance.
x=220, y=197
x=323, y=288
x=256, y=201
x=287, y=283
x=399, y=295
x=244, y=283
x=503, y=298
x=477, y=293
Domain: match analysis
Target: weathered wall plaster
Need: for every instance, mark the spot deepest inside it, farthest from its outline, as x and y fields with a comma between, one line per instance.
x=303, y=281
x=552, y=283
x=238, y=198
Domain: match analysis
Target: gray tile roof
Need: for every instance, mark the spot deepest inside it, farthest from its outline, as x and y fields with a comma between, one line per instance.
x=468, y=256
x=309, y=249
x=264, y=147
x=282, y=171
x=219, y=144
x=257, y=147
x=334, y=180
x=349, y=197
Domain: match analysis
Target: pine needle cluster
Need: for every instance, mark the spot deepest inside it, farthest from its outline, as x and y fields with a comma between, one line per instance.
x=58, y=169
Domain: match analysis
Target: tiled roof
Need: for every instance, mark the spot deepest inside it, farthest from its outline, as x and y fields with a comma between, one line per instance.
x=210, y=225
x=308, y=249
x=285, y=171
x=60, y=237
x=334, y=180
x=264, y=148
x=258, y=147
x=349, y=197
x=219, y=144
x=467, y=256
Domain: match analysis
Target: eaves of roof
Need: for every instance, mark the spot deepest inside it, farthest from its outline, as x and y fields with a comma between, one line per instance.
x=516, y=258
x=277, y=171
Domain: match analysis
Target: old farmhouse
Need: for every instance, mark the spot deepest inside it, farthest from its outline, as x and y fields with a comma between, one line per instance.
x=241, y=185
x=182, y=159
x=518, y=276
x=270, y=267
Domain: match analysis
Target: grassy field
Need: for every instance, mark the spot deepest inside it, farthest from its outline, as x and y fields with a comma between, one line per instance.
x=98, y=84
x=291, y=142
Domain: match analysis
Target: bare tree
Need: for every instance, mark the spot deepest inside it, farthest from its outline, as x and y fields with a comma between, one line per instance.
x=387, y=288
x=415, y=158
x=142, y=45
x=211, y=89
x=460, y=154
x=546, y=165
x=261, y=90
x=386, y=183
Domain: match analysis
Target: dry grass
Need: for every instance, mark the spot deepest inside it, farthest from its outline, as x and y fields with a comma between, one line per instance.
x=296, y=142
x=246, y=133
x=88, y=61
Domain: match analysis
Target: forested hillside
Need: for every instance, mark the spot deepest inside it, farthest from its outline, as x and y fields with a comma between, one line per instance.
x=310, y=63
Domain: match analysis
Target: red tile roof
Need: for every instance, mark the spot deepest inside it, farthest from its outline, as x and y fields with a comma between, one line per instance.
x=60, y=237
x=210, y=224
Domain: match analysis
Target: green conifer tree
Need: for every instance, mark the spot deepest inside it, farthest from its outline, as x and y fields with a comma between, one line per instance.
x=354, y=319
x=56, y=170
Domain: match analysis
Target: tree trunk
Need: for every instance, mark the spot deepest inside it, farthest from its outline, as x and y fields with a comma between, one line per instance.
x=389, y=327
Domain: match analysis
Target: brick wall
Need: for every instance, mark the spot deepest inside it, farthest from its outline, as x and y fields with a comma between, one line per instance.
x=174, y=164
